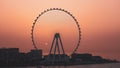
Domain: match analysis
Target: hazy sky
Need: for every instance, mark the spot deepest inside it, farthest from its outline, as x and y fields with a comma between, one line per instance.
x=99, y=21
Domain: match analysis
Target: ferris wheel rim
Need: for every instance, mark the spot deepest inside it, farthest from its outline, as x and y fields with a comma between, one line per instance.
x=59, y=9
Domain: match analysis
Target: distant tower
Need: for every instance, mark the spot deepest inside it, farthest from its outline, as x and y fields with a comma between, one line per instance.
x=57, y=54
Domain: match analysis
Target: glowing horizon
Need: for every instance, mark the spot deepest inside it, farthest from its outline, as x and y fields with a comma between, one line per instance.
x=99, y=22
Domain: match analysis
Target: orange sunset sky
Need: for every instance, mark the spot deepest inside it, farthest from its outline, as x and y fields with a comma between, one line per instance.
x=99, y=21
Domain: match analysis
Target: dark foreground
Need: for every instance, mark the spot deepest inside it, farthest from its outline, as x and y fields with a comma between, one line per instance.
x=11, y=57
x=76, y=59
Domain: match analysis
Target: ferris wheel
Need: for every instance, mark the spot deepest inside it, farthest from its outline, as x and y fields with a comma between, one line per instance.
x=56, y=9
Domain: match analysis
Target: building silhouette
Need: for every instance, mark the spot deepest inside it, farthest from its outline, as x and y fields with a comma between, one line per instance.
x=12, y=57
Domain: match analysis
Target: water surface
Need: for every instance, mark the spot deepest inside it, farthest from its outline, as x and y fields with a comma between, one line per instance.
x=110, y=65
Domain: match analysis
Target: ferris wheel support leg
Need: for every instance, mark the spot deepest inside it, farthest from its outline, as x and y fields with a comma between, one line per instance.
x=65, y=57
x=59, y=59
x=54, y=54
x=52, y=45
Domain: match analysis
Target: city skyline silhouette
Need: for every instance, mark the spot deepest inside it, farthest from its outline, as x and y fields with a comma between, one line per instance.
x=99, y=22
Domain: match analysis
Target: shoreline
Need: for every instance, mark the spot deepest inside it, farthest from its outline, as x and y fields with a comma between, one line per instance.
x=58, y=65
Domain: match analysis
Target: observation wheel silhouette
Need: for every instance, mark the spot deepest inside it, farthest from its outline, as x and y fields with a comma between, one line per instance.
x=56, y=9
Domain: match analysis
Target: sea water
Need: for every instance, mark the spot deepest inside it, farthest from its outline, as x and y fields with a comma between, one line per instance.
x=109, y=65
